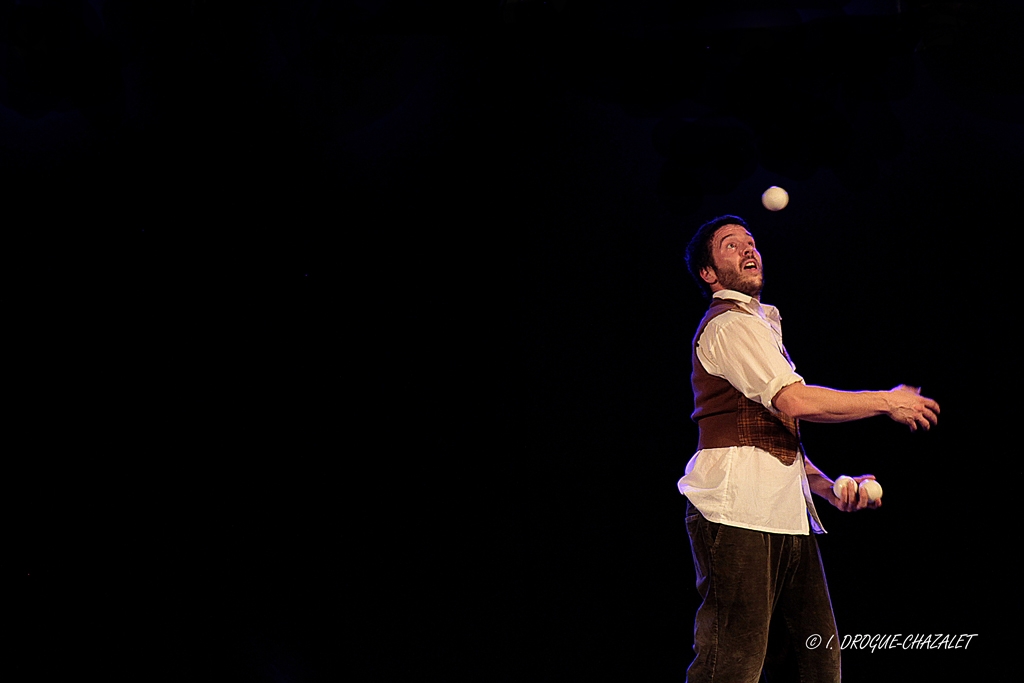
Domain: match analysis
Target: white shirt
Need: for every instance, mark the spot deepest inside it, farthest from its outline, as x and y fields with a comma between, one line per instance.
x=745, y=486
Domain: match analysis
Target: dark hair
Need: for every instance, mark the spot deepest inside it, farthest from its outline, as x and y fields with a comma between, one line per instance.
x=698, y=251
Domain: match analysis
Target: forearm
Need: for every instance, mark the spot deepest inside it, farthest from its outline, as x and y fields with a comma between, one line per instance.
x=817, y=481
x=821, y=404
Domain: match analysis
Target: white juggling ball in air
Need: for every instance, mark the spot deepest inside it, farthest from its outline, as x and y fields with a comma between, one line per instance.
x=775, y=198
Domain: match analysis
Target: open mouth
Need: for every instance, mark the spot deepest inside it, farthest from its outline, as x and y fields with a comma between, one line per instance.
x=750, y=265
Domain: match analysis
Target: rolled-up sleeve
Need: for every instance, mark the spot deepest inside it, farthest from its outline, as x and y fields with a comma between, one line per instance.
x=744, y=350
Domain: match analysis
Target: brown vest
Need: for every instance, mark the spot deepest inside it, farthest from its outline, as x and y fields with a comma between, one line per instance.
x=726, y=417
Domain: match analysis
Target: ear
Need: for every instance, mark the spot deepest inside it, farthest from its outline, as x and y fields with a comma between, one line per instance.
x=709, y=275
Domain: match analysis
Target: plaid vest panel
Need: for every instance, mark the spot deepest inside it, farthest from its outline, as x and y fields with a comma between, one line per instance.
x=725, y=417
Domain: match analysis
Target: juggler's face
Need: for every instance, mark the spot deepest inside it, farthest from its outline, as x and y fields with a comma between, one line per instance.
x=737, y=262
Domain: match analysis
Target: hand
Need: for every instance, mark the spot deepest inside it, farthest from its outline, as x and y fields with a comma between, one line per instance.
x=907, y=406
x=852, y=500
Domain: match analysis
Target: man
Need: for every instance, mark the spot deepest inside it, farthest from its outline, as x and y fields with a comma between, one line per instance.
x=748, y=487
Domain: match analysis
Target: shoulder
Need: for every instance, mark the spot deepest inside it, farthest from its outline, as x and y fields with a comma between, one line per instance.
x=720, y=307
x=733, y=330
x=734, y=317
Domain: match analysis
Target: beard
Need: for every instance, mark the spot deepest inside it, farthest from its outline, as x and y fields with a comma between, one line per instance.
x=750, y=283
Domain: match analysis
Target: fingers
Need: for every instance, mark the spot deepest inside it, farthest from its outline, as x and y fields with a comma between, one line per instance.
x=914, y=410
x=926, y=419
x=858, y=501
x=915, y=420
x=861, y=501
x=853, y=499
x=930, y=411
x=847, y=500
x=845, y=506
x=849, y=496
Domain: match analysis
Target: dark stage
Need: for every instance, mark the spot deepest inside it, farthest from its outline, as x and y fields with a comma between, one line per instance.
x=351, y=341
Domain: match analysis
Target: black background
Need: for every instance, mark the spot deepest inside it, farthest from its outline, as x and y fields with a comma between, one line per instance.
x=351, y=340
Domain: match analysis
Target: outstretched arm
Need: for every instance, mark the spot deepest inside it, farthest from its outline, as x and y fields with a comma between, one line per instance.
x=903, y=404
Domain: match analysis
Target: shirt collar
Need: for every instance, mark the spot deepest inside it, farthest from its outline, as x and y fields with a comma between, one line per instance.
x=733, y=295
x=752, y=304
